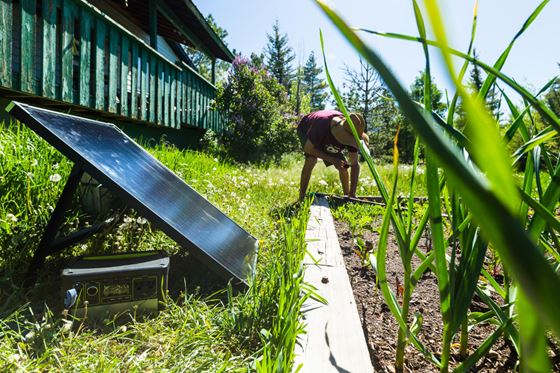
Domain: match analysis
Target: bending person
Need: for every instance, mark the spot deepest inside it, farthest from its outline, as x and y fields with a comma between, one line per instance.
x=325, y=134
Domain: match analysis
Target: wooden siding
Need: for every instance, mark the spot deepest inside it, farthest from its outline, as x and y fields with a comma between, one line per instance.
x=68, y=51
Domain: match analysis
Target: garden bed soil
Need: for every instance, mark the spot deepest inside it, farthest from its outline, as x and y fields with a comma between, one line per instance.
x=380, y=328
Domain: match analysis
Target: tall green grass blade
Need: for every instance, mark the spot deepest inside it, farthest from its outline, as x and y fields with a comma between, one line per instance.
x=480, y=352
x=515, y=113
x=484, y=130
x=542, y=211
x=547, y=114
x=421, y=269
x=452, y=105
x=434, y=208
x=490, y=79
x=534, y=144
x=549, y=201
x=502, y=318
x=534, y=354
x=499, y=224
x=412, y=185
x=501, y=292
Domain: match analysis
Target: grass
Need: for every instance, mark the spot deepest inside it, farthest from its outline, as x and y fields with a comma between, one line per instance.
x=196, y=331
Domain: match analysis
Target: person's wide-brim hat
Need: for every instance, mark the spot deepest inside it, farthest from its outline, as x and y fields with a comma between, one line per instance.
x=359, y=124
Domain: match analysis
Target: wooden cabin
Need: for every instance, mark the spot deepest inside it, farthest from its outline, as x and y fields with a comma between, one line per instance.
x=122, y=60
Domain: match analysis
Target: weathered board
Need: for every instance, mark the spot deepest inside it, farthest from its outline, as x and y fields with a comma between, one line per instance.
x=27, y=60
x=125, y=71
x=100, y=34
x=86, y=29
x=134, y=81
x=68, y=17
x=143, y=84
x=334, y=340
x=113, y=69
x=49, y=47
x=153, y=83
x=159, y=92
x=6, y=19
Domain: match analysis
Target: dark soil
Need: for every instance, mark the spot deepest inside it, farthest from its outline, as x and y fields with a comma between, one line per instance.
x=381, y=328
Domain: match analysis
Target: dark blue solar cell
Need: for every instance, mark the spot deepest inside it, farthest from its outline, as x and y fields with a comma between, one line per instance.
x=145, y=184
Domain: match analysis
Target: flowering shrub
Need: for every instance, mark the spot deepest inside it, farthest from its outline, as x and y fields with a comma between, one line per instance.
x=260, y=121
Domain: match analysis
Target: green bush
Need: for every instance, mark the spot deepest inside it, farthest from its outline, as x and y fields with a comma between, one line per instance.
x=260, y=121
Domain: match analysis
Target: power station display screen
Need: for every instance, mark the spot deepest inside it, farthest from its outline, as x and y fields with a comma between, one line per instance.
x=145, y=184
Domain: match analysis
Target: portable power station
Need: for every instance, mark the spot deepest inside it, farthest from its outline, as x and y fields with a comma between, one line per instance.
x=97, y=287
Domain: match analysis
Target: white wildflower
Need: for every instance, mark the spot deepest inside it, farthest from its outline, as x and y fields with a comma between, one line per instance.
x=34, y=163
x=14, y=358
x=323, y=182
x=12, y=218
x=55, y=178
x=55, y=166
x=29, y=174
x=141, y=221
x=214, y=168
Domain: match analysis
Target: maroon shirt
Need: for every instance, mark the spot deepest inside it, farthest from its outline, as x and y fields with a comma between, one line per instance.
x=317, y=127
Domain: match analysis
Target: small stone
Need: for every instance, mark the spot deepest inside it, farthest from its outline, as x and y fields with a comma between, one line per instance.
x=493, y=355
x=325, y=280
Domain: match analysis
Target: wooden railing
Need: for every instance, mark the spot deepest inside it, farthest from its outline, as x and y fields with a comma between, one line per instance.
x=69, y=51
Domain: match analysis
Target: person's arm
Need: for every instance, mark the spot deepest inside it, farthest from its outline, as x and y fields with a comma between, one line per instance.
x=310, y=149
x=354, y=173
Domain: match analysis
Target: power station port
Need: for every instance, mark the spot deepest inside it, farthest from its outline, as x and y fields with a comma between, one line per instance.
x=145, y=287
x=92, y=291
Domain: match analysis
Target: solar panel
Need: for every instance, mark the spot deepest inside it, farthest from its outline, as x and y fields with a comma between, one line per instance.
x=146, y=185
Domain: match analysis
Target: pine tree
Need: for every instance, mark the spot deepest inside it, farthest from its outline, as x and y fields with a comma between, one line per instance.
x=279, y=56
x=313, y=84
x=417, y=94
x=476, y=82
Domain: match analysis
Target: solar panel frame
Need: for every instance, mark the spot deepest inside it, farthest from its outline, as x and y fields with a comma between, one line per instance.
x=244, y=267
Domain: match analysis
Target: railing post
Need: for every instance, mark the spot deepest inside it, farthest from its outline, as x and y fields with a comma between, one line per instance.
x=113, y=69
x=28, y=13
x=100, y=33
x=86, y=23
x=68, y=16
x=125, y=68
x=49, y=47
x=6, y=16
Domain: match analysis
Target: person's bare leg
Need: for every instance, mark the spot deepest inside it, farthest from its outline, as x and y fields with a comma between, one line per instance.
x=345, y=181
x=308, y=166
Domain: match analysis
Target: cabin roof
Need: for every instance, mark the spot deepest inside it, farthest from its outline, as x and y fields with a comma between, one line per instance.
x=181, y=21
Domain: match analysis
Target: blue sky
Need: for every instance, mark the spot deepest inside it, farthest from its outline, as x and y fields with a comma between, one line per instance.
x=533, y=61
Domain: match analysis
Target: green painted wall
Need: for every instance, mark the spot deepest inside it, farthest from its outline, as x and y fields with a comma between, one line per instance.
x=184, y=138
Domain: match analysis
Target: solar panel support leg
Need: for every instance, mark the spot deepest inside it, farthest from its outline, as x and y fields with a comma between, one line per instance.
x=57, y=219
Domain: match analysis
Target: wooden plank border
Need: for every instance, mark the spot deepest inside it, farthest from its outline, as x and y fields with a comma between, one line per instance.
x=334, y=339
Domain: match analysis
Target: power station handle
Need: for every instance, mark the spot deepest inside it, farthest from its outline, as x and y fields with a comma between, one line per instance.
x=70, y=298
